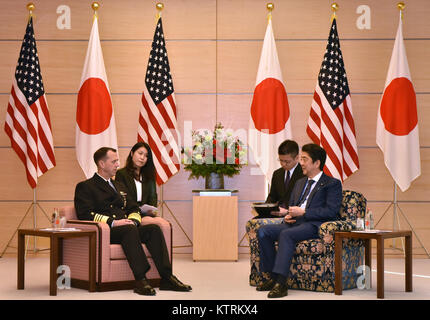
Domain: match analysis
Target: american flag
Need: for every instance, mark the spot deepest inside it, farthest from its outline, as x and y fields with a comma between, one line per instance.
x=331, y=122
x=28, y=124
x=157, y=117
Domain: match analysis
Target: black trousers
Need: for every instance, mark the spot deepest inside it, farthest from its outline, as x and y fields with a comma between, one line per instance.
x=131, y=238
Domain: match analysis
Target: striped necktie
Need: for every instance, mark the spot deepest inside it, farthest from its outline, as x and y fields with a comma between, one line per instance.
x=306, y=193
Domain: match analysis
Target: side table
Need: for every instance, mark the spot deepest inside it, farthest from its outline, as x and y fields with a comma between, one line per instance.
x=215, y=228
x=379, y=236
x=56, y=254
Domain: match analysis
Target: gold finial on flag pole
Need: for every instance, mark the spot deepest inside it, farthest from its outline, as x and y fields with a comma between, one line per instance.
x=401, y=7
x=334, y=8
x=30, y=7
x=270, y=6
x=95, y=6
x=159, y=6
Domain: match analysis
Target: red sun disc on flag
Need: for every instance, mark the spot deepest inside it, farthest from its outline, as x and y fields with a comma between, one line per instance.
x=94, y=110
x=269, y=109
x=399, y=107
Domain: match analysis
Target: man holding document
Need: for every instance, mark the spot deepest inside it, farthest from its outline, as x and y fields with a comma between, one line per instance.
x=315, y=199
x=105, y=200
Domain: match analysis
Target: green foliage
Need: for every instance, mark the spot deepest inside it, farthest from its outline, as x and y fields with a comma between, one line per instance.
x=218, y=151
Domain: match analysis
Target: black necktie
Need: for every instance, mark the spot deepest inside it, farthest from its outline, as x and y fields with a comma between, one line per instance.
x=287, y=180
x=306, y=193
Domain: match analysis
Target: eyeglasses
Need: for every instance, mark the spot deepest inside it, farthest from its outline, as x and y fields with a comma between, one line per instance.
x=285, y=161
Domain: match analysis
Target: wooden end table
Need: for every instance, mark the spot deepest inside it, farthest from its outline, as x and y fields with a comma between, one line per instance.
x=56, y=254
x=379, y=236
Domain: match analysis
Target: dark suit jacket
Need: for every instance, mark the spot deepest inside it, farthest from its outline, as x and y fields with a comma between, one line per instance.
x=323, y=202
x=278, y=193
x=95, y=200
x=149, y=191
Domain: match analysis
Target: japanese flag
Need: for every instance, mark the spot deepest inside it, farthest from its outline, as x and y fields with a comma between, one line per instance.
x=95, y=121
x=397, y=122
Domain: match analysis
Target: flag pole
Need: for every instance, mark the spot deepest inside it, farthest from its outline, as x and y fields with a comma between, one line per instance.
x=160, y=6
x=394, y=203
x=334, y=8
x=95, y=6
x=270, y=7
x=30, y=7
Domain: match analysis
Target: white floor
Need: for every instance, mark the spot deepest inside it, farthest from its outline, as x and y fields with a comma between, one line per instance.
x=210, y=281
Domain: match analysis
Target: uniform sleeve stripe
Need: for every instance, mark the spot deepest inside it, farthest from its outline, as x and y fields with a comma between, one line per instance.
x=100, y=218
x=135, y=216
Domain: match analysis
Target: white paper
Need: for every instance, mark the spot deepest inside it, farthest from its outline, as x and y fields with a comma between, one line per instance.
x=60, y=229
x=371, y=231
x=147, y=208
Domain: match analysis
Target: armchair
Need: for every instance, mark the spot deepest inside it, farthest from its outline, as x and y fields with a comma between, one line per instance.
x=312, y=267
x=112, y=269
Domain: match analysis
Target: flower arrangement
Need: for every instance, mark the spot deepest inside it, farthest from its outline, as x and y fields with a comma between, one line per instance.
x=214, y=152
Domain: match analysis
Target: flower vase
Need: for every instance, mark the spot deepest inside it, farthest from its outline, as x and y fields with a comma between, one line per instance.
x=214, y=181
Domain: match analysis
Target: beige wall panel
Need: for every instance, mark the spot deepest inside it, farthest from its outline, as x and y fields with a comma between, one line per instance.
x=125, y=19
x=11, y=214
x=233, y=112
x=251, y=187
x=62, y=110
x=4, y=139
x=420, y=187
x=416, y=214
x=61, y=64
x=192, y=65
x=372, y=179
x=195, y=112
x=180, y=188
x=310, y=19
x=59, y=183
x=132, y=19
x=375, y=182
x=199, y=109
x=238, y=64
x=180, y=216
x=247, y=19
x=384, y=19
x=365, y=108
x=14, y=185
x=366, y=64
x=9, y=52
x=126, y=117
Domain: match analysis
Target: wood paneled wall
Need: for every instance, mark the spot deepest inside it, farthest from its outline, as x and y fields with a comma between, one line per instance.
x=214, y=48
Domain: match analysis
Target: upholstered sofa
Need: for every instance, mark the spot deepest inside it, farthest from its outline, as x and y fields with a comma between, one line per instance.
x=112, y=269
x=312, y=266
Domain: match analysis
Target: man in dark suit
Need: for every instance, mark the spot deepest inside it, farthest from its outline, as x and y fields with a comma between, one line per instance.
x=102, y=199
x=315, y=199
x=284, y=178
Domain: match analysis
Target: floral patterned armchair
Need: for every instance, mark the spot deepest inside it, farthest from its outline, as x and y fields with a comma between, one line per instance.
x=312, y=267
